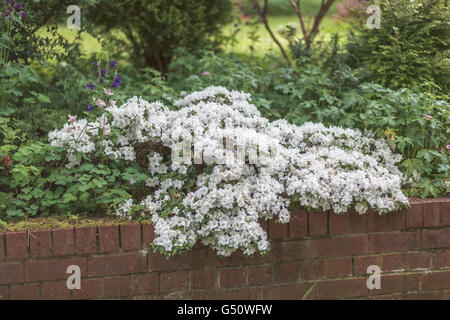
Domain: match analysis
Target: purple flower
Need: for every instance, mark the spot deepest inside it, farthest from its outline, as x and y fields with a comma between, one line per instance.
x=18, y=6
x=8, y=2
x=427, y=117
x=101, y=80
x=116, y=82
x=448, y=147
x=7, y=12
x=90, y=86
x=255, y=6
x=90, y=107
x=113, y=64
x=103, y=72
x=206, y=73
x=24, y=14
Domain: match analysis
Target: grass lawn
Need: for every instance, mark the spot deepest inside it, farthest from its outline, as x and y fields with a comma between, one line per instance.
x=328, y=27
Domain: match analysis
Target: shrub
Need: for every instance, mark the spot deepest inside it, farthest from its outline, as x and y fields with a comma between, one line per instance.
x=410, y=48
x=220, y=199
x=328, y=91
x=153, y=29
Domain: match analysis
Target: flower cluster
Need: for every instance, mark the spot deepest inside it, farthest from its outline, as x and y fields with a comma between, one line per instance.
x=101, y=74
x=14, y=8
x=220, y=203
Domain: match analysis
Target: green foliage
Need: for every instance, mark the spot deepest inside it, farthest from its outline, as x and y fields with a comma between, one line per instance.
x=153, y=29
x=410, y=48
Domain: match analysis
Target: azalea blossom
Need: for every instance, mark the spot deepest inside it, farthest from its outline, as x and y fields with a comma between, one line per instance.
x=314, y=166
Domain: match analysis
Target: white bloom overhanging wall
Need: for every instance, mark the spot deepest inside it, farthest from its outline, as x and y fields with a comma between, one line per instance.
x=221, y=202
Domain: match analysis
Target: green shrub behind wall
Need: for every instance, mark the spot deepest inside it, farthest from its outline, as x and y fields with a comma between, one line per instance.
x=410, y=48
x=150, y=30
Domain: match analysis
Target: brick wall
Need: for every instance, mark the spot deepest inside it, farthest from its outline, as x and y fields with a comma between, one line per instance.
x=412, y=248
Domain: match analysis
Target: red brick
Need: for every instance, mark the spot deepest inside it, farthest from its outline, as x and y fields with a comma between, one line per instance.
x=436, y=280
x=346, y=246
x=419, y=260
x=377, y=222
x=264, y=225
x=24, y=292
x=286, y=272
x=108, y=239
x=312, y=269
x=16, y=245
x=193, y=259
x=358, y=222
x=2, y=248
x=338, y=223
x=397, y=220
x=277, y=231
x=392, y=262
x=414, y=216
x=11, y=273
x=174, y=281
x=144, y=283
x=63, y=243
x=436, y=238
x=442, y=260
x=362, y=263
x=445, y=218
x=232, y=278
x=345, y=288
x=130, y=236
x=388, y=242
x=432, y=213
x=424, y=296
x=47, y=270
x=341, y=267
x=120, y=264
x=237, y=258
x=90, y=289
x=55, y=291
x=259, y=275
x=298, y=225
x=397, y=283
x=233, y=294
x=203, y=279
x=148, y=234
x=287, y=291
x=4, y=293
x=115, y=288
x=86, y=240
x=318, y=223
x=195, y=295
x=41, y=244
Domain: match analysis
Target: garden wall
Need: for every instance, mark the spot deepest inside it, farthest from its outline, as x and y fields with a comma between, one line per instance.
x=412, y=249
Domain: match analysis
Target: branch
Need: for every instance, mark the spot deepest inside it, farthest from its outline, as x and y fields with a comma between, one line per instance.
x=297, y=8
x=324, y=7
x=266, y=24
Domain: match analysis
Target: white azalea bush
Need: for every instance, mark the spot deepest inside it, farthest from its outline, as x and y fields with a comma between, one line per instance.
x=217, y=192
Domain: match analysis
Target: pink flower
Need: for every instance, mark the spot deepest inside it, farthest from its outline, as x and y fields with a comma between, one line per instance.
x=72, y=119
x=108, y=92
x=447, y=147
x=99, y=102
x=112, y=103
x=206, y=73
x=6, y=160
x=272, y=67
x=427, y=117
